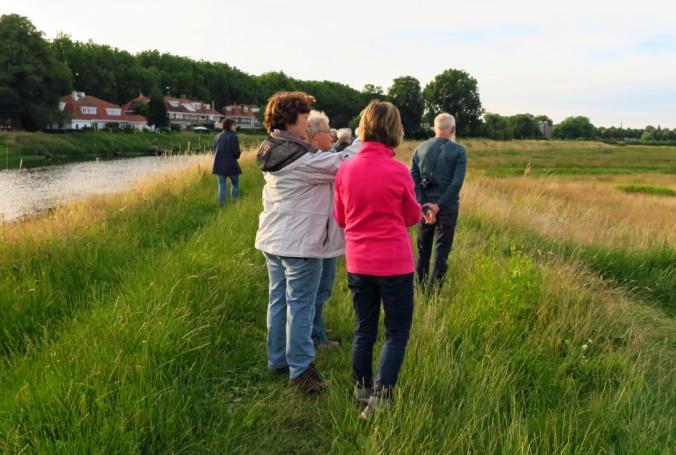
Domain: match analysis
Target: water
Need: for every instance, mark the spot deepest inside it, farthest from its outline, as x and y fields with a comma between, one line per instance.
x=27, y=191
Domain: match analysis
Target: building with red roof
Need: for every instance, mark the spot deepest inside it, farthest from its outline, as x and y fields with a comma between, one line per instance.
x=243, y=114
x=84, y=111
x=189, y=113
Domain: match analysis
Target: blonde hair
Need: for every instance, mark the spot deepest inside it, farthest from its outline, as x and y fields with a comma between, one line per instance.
x=381, y=122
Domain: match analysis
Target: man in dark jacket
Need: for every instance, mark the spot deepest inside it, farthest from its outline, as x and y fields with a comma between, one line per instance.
x=438, y=170
x=227, y=152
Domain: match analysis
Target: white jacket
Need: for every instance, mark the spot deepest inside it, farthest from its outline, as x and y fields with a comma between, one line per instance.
x=297, y=218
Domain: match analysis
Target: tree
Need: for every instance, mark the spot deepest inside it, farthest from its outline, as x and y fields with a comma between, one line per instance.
x=525, y=126
x=497, y=127
x=575, y=128
x=544, y=118
x=31, y=79
x=157, y=111
x=407, y=96
x=456, y=92
x=373, y=92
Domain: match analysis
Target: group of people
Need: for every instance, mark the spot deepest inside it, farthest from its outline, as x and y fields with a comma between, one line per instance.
x=325, y=197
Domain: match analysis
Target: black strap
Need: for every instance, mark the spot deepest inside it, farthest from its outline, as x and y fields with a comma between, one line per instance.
x=436, y=147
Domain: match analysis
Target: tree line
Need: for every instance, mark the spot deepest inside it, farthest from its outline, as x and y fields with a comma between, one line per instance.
x=35, y=73
x=528, y=126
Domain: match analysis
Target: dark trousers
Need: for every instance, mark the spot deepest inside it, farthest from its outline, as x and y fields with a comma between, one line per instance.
x=396, y=294
x=441, y=234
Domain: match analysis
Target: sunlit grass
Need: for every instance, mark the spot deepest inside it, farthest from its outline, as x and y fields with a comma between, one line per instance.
x=525, y=350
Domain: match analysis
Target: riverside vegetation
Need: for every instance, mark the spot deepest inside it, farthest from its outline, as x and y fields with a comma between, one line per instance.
x=136, y=323
x=39, y=149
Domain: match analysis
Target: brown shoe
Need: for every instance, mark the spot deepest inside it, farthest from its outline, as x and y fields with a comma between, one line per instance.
x=310, y=382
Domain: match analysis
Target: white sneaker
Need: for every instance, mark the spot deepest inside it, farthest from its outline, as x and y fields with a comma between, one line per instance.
x=375, y=404
x=362, y=394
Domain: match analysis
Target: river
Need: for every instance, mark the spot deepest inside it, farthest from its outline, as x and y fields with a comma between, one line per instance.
x=27, y=191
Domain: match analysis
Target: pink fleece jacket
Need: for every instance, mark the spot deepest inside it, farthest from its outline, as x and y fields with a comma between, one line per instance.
x=375, y=203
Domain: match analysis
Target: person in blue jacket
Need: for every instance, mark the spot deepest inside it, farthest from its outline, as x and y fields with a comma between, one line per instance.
x=438, y=170
x=227, y=152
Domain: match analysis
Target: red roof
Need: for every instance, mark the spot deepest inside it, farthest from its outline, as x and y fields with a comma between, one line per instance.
x=131, y=105
x=237, y=110
x=187, y=106
x=73, y=107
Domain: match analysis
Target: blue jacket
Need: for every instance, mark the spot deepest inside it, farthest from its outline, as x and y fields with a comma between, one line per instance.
x=447, y=175
x=227, y=151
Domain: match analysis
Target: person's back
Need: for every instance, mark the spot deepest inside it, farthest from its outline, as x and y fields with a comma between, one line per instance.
x=373, y=189
x=446, y=162
x=226, y=154
x=375, y=203
x=438, y=169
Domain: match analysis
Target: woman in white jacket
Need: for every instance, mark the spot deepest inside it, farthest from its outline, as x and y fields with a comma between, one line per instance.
x=295, y=234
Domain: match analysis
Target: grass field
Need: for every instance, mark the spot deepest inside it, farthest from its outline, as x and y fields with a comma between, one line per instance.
x=136, y=323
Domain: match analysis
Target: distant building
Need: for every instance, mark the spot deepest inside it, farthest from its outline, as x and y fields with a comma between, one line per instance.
x=84, y=111
x=188, y=113
x=546, y=129
x=243, y=114
x=133, y=107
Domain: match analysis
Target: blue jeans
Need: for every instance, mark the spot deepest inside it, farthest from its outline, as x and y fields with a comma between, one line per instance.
x=223, y=190
x=396, y=293
x=323, y=294
x=291, y=309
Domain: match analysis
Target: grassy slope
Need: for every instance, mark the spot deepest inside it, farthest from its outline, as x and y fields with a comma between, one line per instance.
x=170, y=356
x=37, y=149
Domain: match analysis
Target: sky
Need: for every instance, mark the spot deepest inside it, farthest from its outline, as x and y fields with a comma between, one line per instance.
x=612, y=61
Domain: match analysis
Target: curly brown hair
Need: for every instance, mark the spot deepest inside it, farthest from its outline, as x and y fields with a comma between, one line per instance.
x=283, y=109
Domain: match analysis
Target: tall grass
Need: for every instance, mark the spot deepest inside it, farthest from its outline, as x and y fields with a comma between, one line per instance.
x=520, y=353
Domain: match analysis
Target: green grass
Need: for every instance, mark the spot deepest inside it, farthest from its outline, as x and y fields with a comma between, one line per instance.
x=648, y=275
x=48, y=282
x=38, y=149
x=646, y=189
x=169, y=355
x=566, y=158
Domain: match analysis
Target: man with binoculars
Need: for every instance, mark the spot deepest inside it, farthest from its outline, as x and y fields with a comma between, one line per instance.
x=438, y=170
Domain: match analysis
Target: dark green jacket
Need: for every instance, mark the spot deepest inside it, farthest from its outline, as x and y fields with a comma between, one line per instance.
x=447, y=176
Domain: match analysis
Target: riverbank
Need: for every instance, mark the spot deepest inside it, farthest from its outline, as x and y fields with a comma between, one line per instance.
x=526, y=350
x=41, y=149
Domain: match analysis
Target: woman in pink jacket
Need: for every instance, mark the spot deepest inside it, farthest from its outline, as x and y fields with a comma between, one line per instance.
x=375, y=204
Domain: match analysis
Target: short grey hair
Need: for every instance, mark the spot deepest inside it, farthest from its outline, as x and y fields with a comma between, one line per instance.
x=345, y=134
x=315, y=121
x=444, y=121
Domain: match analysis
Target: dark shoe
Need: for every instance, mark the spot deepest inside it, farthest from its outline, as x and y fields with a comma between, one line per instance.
x=279, y=371
x=310, y=382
